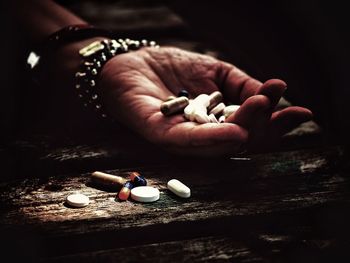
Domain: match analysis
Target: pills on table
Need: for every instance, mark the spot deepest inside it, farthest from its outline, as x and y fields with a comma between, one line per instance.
x=124, y=193
x=145, y=194
x=108, y=180
x=174, y=105
x=183, y=93
x=77, y=200
x=179, y=188
x=137, y=179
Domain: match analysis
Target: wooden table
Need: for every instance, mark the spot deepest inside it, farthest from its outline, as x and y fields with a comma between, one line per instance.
x=286, y=206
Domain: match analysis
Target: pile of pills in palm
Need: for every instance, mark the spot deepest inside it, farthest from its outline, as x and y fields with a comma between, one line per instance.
x=202, y=109
x=136, y=188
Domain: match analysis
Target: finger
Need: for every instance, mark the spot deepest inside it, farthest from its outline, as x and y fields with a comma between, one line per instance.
x=273, y=89
x=191, y=134
x=237, y=85
x=287, y=119
x=252, y=110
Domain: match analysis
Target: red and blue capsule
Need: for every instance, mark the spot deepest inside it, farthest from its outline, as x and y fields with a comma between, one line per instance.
x=124, y=193
x=137, y=179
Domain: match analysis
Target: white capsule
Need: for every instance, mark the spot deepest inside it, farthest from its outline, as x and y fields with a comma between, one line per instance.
x=189, y=110
x=218, y=109
x=222, y=119
x=213, y=119
x=77, y=200
x=179, y=188
x=201, y=117
x=202, y=99
x=145, y=194
x=230, y=109
x=215, y=98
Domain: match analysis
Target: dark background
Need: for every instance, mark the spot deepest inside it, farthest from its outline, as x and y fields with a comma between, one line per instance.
x=304, y=43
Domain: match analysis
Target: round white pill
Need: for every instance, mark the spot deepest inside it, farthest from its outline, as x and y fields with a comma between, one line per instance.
x=179, y=188
x=78, y=200
x=145, y=194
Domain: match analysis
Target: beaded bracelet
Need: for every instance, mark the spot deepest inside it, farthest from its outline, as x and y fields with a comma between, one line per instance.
x=61, y=37
x=94, y=56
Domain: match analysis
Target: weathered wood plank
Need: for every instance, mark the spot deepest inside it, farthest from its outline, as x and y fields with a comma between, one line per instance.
x=221, y=184
x=228, y=196
x=213, y=249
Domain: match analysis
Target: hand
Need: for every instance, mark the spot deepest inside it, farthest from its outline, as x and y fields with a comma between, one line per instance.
x=134, y=85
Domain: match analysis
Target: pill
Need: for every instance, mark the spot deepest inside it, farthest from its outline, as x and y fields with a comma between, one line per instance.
x=124, y=193
x=179, y=188
x=214, y=99
x=183, y=93
x=218, y=109
x=189, y=110
x=77, y=200
x=202, y=100
x=230, y=109
x=201, y=117
x=145, y=194
x=213, y=118
x=137, y=179
x=174, y=105
x=108, y=180
x=222, y=119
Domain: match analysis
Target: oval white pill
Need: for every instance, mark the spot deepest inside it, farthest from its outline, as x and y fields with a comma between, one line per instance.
x=189, y=111
x=201, y=117
x=202, y=99
x=145, y=194
x=218, y=109
x=77, y=200
x=230, y=109
x=179, y=188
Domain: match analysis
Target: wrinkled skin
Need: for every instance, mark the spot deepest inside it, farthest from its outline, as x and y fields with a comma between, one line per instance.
x=136, y=83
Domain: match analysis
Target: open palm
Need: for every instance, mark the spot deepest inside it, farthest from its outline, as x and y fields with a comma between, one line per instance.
x=135, y=84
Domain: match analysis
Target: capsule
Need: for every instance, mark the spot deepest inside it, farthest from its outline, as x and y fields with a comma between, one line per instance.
x=108, y=180
x=222, y=119
x=174, y=105
x=137, y=179
x=215, y=98
x=124, y=193
x=183, y=93
x=230, y=110
x=170, y=98
x=218, y=109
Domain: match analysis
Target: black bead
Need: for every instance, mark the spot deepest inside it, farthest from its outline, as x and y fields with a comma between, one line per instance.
x=183, y=93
